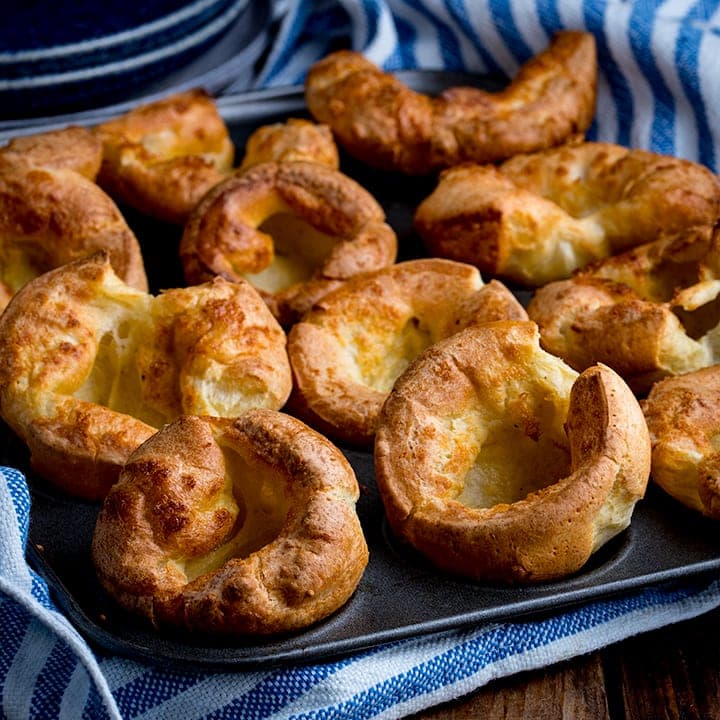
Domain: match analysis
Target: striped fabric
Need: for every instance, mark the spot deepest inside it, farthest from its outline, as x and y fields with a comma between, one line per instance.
x=659, y=89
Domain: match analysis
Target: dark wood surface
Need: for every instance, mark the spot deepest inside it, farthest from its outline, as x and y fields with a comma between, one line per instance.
x=669, y=674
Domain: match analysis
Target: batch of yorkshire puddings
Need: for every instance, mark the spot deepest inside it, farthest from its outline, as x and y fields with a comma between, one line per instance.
x=510, y=441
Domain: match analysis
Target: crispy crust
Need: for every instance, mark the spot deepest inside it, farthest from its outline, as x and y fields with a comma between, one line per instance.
x=384, y=123
x=198, y=492
x=52, y=216
x=682, y=417
x=89, y=366
x=334, y=229
x=349, y=349
x=462, y=438
x=294, y=139
x=658, y=270
x=591, y=319
x=539, y=217
x=72, y=148
x=162, y=157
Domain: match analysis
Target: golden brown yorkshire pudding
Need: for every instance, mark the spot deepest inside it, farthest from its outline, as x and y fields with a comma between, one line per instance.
x=540, y=216
x=658, y=270
x=72, y=148
x=590, y=319
x=384, y=123
x=294, y=230
x=682, y=416
x=349, y=349
x=49, y=217
x=498, y=462
x=232, y=527
x=163, y=156
x=90, y=367
x=294, y=139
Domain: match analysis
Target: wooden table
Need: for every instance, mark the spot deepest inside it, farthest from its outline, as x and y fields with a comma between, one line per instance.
x=669, y=674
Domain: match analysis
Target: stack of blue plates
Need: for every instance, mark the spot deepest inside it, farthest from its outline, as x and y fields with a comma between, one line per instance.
x=65, y=57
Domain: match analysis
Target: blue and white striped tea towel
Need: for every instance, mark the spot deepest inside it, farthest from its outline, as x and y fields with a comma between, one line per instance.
x=659, y=90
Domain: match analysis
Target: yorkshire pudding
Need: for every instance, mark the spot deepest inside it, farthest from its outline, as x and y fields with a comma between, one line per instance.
x=72, y=148
x=538, y=217
x=684, y=423
x=90, y=367
x=658, y=270
x=498, y=462
x=233, y=527
x=294, y=230
x=349, y=349
x=52, y=216
x=294, y=139
x=591, y=319
x=161, y=157
x=384, y=123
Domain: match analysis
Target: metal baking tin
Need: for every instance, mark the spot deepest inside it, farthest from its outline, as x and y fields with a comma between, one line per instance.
x=400, y=595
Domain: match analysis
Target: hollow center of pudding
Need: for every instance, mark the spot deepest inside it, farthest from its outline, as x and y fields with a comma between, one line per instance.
x=383, y=356
x=124, y=329
x=261, y=496
x=17, y=266
x=299, y=250
x=507, y=452
x=703, y=316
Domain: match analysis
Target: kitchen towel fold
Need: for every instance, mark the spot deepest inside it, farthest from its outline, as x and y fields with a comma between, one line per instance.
x=658, y=89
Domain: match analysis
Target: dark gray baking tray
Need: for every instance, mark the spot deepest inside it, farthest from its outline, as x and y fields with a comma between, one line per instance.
x=400, y=595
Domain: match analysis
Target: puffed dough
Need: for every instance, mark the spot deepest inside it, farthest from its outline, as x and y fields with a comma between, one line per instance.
x=658, y=270
x=90, y=367
x=71, y=148
x=384, y=123
x=538, y=217
x=163, y=156
x=295, y=230
x=349, y=349
x=52, y=216
x=294, y=139
x=682, y=416
x=498, y=462
x=232, y=527
x=591, y=319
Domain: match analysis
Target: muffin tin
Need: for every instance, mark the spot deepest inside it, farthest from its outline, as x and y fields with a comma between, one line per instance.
x=400, y=595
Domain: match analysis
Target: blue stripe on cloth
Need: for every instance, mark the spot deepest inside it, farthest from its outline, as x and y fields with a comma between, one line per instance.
x=505, y=23
x=687, y=60
x=447, y=40
x=280, y=689
x=663, y=116
x=40, y=591
x=371, y=10
x=403, y=55
x=12, y=629
x=53, y=681
x=621, y=96
x=152, y=688
x=317, y=27
x=549, y=15
x=490, y=65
